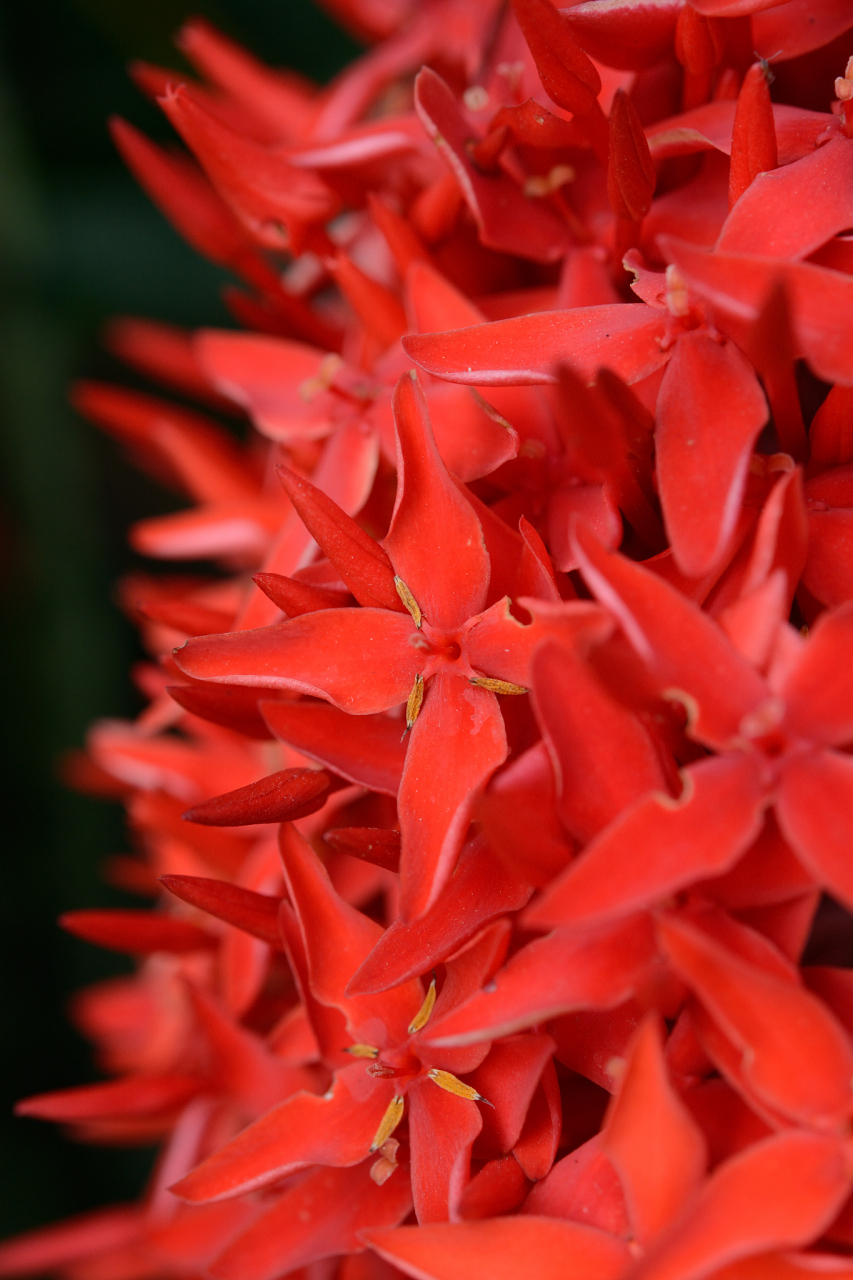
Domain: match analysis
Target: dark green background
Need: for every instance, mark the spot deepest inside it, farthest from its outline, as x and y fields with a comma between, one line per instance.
x=78, y=242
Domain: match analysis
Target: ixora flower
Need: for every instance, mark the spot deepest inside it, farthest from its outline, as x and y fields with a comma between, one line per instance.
x=547, y=968
x=424, y=637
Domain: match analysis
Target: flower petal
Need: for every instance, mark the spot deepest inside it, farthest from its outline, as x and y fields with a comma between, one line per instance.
x=657, y=1149
x=455, y=746
x=815, y=810
x=435, y=540
x=710, y=411
x=527, y=349
x=779, y=1193
x=570, y=969
x=659, y=845
x=442, y=1129
x=818, y=692
x=358, y=659
x=366, y=749
x=480, y=890
x=335, y=1129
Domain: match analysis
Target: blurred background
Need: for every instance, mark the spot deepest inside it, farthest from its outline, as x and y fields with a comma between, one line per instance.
x=78, y=243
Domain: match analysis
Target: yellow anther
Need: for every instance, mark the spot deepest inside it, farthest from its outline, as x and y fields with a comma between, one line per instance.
x=389, y=1122
x=409, y=601
x=422, y=1016
x=497, y=686
x=323, y=379
x=415, y=702
x=450, y=1084
x=362, y=1051
x=546, y=184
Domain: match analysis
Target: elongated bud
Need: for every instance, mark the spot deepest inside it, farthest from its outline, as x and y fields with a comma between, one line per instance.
x=754, y=147
x=295, y=598
x=232, y=705
x=136, y=932
x=699, y=41
x=371, y=844
x=568, y=75
x=487, y=151
x=254, y=913
x=363, y=565
x=389, y=1122
x=404, y=242
x=280, y=797
x=631, y=173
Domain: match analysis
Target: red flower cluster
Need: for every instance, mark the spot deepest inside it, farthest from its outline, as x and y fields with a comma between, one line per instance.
x=501, y=825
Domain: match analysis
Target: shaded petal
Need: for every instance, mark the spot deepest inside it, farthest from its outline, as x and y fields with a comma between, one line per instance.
x=114, y=1099
x=828, y=571
x=710, y=127
x=508, y=1078
x=365, y=749
x=795, y=1055
x=506, y=218
x=658, y=845
x=442, y=1129
x=656, y=1147
x=710, y=411
x=337, y=938
x=455, y=746
x=335, y=1129
x=790, y=212
x=480, y=890
x=777, y=1194
x=136, y=932
x=736, y=286
x=818, y=692
x=504, y=1249
x=681, y=645
x=358, y=659
x=797, y=27
x=499, y=645
x=603, y=757
x=527, y=349
x=435, y=540
x=540, y=1137
x=322, y=1216
x=814, y=805
x=627, y=34
x=583, y=1187
x=570, y=969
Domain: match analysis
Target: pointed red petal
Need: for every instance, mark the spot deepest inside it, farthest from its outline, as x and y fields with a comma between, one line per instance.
x=524, y=786
x=255, y=913
x=363, y=565
x=365, y=749
x=295, y=598
x=710, y=411
x=658, y=845
x=631, y=173
x=377, y=308
x=603, y=757
x=537, y=1146
x=115, y=1099
x=794, y=1054
x=137, y=932
x=499, y=1187
x=596, y=968
x=527, y=349
x=647, y=1115
x=442, y=1129
x=435, y=540
x=815, y=809
x=359, y=659
x=321, y=1216
x=502, y=1248
x=681, y=645
x=480, y=890
x=583, y=1187
x=508, y=1078
x=818, y=692
x=754, y=134
x=779, y=1193
x=628, y=34
x=455, y=746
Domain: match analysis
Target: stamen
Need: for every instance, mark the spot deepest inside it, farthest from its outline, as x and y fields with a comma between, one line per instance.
x=409, y=601
x=497, y=686
x=389, y=1121
x=323, y=379
x=677, y=300
x=450, y=1084
x=546, y=184
x=422, y=1016
x=381, y=1169
x=362, y=1051
x=413, y=706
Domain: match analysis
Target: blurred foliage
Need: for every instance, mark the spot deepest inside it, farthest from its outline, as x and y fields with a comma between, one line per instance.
x=78, y=242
